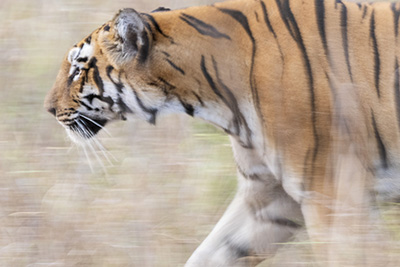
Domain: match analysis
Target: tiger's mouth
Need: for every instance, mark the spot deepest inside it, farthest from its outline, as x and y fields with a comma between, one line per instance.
x=87, y=127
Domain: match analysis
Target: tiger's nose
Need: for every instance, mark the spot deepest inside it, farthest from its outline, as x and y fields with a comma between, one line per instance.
x=52, y=111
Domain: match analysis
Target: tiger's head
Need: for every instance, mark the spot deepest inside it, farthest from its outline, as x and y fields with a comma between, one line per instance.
x=102, y=78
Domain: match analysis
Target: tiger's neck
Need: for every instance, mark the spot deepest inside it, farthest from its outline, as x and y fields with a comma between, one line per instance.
x=214, y=84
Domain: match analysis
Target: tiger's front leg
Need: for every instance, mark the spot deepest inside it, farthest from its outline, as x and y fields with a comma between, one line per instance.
x=260, y=217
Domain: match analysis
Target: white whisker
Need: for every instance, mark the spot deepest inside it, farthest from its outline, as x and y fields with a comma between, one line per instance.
x=89, y=143
x=84, y=129
x=102, y=149
x=88, y=159
x=80, y=130
x=97, y=124
x=82, y=136
x=73, y=145
x=83, y=132
x=97, y=157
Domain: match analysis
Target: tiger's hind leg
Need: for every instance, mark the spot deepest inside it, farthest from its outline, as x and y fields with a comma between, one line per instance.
x=260, y=217
x=341, y=224
x=337, y=206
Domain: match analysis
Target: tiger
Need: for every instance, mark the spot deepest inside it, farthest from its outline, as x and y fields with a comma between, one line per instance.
x=299, y=86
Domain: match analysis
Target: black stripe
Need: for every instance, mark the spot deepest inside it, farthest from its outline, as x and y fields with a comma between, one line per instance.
x=231, y=102
x=381, y=146
x=320, y=12
x=396, y=15
x=85, y=80
x=151, y=111
x=239, y=250
x=365, y=8
x=85, y=105
x=166, y=86
x=65, y=120
x=202, y=27
x=252, y=176
x=123, y=107
x=217, y=91
x=242, y=19
x=239, y=169
x=233, y=105
x=291, y=24
x=338, y=2
x=284, y=17
x=198, y=99
x=377, y=64
x=96, y=75
x=82, y=59
x=270, y=28
x=256, y=14
x=108, y=100
x=161, y=9
x=117, y=85
x=91, y=97
x=189, y=109
x=156, y=26
x=209, y=78
x=285, y=222
x=72, y=76
x=397, y=90
x=68, y=113
x=343, y=25
x=89, y=39
x=266, y=19
x=148, y=27
x=175, y=66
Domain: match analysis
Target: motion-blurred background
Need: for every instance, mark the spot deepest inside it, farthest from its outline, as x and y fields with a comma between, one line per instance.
x=151, y=204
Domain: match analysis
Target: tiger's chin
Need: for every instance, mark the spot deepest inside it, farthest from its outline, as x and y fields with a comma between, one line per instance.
x=84, y=128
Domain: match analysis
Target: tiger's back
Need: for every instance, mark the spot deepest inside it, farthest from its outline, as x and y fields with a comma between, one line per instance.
x=330, y=60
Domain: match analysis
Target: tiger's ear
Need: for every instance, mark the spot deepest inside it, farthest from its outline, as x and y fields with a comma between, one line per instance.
x=130, y=38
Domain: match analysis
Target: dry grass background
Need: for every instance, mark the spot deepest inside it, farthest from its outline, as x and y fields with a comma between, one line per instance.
x=164, y=191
